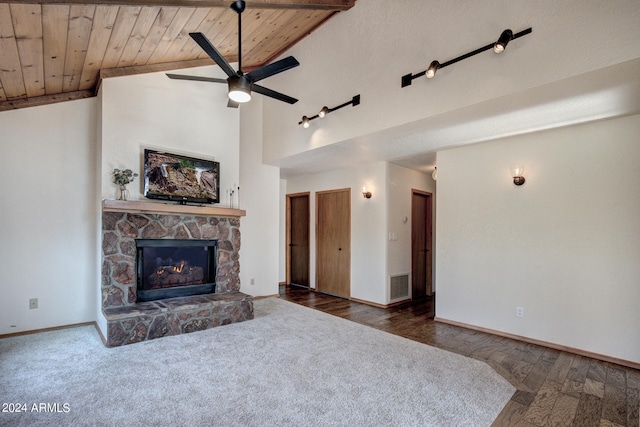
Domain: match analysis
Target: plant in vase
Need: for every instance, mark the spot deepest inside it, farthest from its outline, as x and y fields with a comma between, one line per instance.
x=121, y=178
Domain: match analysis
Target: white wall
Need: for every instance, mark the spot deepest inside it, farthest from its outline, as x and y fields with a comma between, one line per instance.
x=259, y=191
x=100, y=320
x=368, y=225
x=48, y=216
x=400, y=182
x=565, y=246
x=185, y=117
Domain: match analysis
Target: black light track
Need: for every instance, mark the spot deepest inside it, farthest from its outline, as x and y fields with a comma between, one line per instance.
x=408, y=78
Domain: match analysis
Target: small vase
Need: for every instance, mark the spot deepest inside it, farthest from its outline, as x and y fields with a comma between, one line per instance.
x=123, y=193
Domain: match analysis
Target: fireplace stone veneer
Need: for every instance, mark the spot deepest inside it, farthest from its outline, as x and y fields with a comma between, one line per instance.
x=129, y=321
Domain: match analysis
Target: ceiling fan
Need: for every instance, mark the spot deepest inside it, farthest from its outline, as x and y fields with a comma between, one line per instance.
x=240, y=84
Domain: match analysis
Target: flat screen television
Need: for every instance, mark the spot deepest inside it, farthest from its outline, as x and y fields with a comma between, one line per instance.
x=179, y=178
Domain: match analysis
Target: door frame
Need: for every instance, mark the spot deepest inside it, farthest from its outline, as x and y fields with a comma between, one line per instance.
x=429, y=237
x=288, y=235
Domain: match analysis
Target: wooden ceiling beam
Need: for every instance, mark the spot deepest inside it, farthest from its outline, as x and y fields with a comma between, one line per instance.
x=151, y=68
x=45, y=100
x=336, y=5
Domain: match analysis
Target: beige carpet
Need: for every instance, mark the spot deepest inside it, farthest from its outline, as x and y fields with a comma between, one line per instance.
x=290, y=366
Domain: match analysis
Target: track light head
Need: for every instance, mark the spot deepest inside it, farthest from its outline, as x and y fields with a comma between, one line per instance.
x=433, y=68
x=503, y=41
x=323, y=112
x=305, y=122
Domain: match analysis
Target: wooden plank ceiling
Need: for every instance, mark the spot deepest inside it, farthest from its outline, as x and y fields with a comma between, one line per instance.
x=54, y=51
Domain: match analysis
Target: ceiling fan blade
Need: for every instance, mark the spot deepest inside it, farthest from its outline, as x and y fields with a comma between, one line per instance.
x=272, y=69
x=196, y=78
x=232, y=104
x=206, y=45
x=273, y=94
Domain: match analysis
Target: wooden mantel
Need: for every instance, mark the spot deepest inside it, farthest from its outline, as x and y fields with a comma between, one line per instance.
x=161, y=208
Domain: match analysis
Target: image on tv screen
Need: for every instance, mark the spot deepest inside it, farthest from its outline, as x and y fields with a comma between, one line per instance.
x=181, y=178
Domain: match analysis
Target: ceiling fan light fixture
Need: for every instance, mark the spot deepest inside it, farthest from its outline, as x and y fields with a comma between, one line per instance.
x=433, y=68
x=503, y=41
x=239, y=89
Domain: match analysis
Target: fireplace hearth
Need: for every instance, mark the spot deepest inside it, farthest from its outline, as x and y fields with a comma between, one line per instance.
x=205, y=243
x=169, y=268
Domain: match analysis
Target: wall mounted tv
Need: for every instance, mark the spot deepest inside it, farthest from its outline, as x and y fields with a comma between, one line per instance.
x=179, y=178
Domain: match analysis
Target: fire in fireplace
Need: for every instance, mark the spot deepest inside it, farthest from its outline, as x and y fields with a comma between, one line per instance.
x=168, y=268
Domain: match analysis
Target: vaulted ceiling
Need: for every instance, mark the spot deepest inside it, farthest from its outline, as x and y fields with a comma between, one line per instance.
x=54, y=51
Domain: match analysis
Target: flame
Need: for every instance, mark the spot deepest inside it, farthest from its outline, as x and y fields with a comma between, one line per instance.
x=179, y=269
x=160, y=271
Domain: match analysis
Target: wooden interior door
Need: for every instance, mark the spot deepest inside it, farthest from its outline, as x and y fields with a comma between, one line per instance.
x=421, y=241
x=298, y=239
x=333, y=242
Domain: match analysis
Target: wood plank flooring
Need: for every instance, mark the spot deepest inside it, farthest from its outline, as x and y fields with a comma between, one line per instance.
x=554, y=388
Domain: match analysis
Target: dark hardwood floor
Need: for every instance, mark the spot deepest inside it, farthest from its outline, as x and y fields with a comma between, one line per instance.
x=554, y=388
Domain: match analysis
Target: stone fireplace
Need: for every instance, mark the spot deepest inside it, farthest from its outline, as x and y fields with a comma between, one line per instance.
x=129, y=227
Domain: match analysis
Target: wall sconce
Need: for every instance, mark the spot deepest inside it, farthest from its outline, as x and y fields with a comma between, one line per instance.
x=434, y=174
x=517, y=172
x=498, y=47
x=366, y=194
x=326, y=110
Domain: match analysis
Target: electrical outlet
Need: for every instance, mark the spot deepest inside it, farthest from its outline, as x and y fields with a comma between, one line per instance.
x=519, y=312
x=33, y=303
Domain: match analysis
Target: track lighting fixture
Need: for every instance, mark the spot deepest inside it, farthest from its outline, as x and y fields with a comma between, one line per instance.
x=326, y=110
x=431, y=71
x=502, y=42
x=498, y=47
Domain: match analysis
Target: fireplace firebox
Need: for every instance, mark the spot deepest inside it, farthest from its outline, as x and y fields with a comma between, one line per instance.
x=168, y=268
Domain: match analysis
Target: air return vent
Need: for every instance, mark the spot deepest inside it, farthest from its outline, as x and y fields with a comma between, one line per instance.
x=399, y=287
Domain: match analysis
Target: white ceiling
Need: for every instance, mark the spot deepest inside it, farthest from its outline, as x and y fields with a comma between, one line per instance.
x=562, y=74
